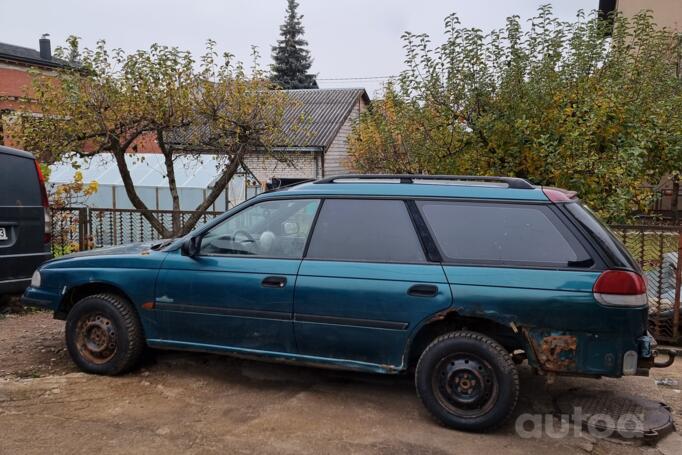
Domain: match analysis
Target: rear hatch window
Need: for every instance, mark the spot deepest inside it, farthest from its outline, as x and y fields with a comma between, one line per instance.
x=616, y=251
x=19, y=185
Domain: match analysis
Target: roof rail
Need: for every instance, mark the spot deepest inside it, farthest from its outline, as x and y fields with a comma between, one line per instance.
x=512, y=182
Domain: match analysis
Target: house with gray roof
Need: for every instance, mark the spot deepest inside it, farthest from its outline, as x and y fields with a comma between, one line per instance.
x=315, y=150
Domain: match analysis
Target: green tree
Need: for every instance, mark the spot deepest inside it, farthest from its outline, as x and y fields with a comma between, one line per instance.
x=114, y=101
x=559, y=103
x=291, y=58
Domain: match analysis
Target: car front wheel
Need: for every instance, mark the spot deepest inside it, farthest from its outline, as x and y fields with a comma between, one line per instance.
x=104, y=335
x=467, y=381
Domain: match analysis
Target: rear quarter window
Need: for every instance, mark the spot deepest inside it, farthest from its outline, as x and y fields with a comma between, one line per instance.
x=19, y=185
x=615, y=250
x=505, y=234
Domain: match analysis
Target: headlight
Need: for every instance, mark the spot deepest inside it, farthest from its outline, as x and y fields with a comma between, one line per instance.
x=35, y=279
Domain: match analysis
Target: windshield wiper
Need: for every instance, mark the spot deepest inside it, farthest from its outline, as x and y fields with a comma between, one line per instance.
x=161, y=244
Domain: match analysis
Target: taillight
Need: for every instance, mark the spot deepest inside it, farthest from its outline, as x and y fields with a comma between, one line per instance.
x=46, y=204
x=43, y=191
x=620, y=288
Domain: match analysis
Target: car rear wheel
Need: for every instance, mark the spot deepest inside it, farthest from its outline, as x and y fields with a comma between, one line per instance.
x=467, y=381
x=104, y=335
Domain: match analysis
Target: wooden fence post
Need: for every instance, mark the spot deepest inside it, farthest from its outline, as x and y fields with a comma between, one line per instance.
x=83, y=231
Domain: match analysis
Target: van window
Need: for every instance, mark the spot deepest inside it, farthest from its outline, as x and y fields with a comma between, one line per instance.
x=512, y=234
x=18, y=182
x=365, y=230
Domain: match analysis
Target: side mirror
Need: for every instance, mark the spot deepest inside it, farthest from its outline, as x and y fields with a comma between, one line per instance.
x=190, y=247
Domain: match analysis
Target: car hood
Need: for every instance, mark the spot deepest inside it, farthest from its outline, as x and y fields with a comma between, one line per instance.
x=133, y=255
x=131, y=248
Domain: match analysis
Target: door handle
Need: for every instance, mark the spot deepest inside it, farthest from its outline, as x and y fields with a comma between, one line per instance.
x=423, y=290
x=274, y=282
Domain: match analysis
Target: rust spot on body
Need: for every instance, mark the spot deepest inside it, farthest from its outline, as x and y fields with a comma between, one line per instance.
x=554, y=352
x=557, y=352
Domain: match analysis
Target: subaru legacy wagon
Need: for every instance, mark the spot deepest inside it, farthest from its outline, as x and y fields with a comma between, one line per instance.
x=455, y=278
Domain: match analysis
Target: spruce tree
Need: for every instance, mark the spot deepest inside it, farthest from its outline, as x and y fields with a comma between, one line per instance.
x=291, y=58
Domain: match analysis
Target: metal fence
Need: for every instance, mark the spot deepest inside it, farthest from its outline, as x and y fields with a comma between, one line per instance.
x=656, y=248
x=77, y=229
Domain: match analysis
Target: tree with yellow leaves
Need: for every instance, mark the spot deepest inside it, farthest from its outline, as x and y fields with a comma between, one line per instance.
x=572, y=104
x=112, y=100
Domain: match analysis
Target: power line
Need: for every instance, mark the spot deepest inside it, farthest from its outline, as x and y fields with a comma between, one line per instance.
x=368, y=78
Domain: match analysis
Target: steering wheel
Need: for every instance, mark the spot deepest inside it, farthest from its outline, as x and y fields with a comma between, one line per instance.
x=248, y=237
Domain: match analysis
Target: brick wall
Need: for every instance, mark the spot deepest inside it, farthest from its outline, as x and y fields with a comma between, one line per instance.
x=14, y=81
x=15, y=85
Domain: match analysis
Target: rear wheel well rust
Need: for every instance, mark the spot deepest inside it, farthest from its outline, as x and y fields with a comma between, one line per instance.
x=452, y=322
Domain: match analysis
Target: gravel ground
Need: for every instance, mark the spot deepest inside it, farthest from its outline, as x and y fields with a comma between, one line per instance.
x=199, y=403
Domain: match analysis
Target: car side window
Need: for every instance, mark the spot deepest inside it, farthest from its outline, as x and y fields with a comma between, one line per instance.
x=276, y=229
x=365, y=230
x=490, y=233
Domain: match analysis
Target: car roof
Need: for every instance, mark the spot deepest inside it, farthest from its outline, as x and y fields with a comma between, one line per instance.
x=15, y=152
x=435, y=189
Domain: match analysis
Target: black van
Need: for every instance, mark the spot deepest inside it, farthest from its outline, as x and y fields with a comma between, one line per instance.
x=24, y=220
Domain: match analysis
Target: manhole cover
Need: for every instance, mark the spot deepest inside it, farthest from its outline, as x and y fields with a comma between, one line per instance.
x=611, y=414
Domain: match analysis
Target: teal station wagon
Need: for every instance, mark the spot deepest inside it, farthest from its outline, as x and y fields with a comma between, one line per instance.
x=456, y=278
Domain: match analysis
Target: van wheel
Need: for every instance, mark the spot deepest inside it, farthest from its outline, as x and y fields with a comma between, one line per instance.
x=467, y=381
x=104, y=335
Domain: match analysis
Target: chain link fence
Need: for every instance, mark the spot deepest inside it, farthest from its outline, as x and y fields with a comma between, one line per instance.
x=656, y=248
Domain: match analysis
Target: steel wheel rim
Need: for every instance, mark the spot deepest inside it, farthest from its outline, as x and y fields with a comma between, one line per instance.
x=96, y=338
x=465, y=385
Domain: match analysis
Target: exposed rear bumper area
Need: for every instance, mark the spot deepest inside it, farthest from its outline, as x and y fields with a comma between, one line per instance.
x=648, y=353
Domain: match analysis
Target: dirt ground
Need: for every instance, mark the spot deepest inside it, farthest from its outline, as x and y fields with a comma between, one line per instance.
x=198, y=403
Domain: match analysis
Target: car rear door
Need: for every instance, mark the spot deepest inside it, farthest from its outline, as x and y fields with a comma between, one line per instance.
x=365, y=283
x=522, y=263
x=23, y=245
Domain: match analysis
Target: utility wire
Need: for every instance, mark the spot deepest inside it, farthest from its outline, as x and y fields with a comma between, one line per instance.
x=368, y=78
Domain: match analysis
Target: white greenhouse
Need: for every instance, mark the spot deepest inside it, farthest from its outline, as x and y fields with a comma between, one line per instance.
x=194, y=177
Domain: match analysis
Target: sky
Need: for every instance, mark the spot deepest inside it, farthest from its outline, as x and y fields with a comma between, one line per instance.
x=347, y=38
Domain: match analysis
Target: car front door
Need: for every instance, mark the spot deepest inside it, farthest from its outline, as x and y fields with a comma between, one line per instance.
x=365, y=283
x=238, y=290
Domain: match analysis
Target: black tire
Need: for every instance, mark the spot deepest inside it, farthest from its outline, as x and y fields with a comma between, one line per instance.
x=104, y=335
x=467, y=381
